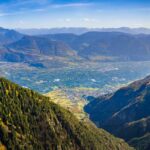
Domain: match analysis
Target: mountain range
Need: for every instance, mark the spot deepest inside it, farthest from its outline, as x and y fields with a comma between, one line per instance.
x=80, y=30
x=125, y=113
x=120, y=46
x=29, y=120
x=64, y=48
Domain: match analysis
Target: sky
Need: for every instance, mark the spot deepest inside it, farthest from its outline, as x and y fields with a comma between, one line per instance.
x=74, y=13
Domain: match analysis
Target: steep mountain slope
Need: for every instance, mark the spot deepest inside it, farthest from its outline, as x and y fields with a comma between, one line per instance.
x=15, y=47
x=37, y=45
x=121, y=46
x=9, y=55
x=35, y=50
x=30, y=121
x=9, y=36
x=65, y=37
x=110, y=44
x=125, y=113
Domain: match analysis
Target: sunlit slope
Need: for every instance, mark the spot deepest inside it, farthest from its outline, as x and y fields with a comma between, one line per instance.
x=76, y=106
x=30, y=121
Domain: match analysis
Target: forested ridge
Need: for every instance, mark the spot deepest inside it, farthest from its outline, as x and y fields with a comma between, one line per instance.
x=30, y=121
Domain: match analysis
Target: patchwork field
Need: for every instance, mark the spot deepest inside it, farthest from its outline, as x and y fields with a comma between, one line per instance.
x=74, y=105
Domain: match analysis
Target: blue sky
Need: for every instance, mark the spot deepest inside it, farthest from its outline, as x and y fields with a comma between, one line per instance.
x=74, y=13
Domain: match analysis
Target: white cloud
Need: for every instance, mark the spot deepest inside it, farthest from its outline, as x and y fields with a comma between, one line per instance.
x=71, y=5
x=10, y=14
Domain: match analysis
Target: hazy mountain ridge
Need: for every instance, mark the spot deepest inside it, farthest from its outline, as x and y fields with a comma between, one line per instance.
x=83, y=30
x=125, y=113
x=29, y=120
x=37, y=51
x=93, y=46
x=121, y=46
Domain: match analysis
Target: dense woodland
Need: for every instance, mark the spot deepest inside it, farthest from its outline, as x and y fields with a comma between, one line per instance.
x=30, y=121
